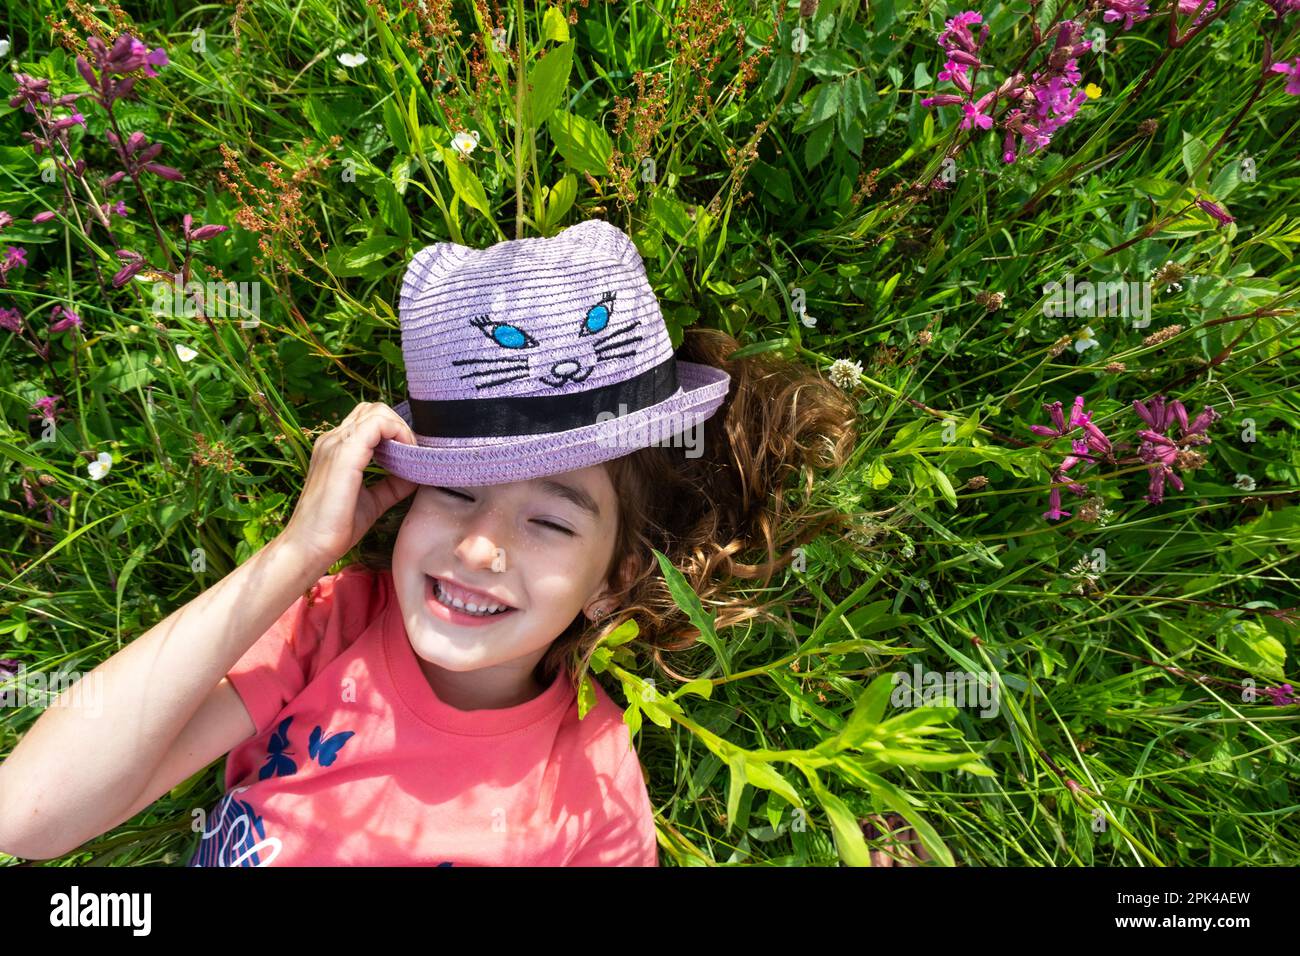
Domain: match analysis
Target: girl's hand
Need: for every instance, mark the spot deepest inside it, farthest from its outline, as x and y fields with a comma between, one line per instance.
x=335, y=509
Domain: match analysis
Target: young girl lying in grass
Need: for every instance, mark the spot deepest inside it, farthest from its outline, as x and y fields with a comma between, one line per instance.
x=420, y=707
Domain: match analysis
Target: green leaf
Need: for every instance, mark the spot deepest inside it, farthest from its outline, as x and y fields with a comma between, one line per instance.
x=586, y=696
x=560, y=197
x=689, y=601
x=762, y=774
x=396, y=129
x=845, y=828
x=414, y=116
x=701, y=686
x=355, y=260
x=554, y=25
x=944, y=485
x=464, y=181
x=1228, y=179
x=1258, y=650
x=548, y=80
x=584, y=145
x=758, y=348
x=1194, y=152
x=868, y=710
x=878, y=474
x=391, y=208
x=818, y=145
x=887, y=291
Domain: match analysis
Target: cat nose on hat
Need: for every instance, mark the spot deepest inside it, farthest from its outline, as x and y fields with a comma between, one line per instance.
x=565, y=368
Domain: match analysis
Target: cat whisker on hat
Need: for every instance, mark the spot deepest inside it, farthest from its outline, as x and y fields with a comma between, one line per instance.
x=623, y=331
x=490, y=361
x=496, y=371
x=626, y=343
x=500, y=381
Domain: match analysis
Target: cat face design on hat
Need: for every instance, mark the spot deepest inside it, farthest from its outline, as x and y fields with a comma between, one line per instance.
x=530, y=317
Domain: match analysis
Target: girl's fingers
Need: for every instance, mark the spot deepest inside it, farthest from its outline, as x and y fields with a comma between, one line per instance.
x=380, y=421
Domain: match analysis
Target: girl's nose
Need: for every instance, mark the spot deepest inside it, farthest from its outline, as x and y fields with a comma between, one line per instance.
x=484, y=536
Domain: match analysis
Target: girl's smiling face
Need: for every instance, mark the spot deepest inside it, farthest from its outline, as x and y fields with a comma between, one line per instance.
x=557, y=537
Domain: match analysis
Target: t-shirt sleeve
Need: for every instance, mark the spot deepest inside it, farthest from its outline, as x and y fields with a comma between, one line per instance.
x=313, y=631
x=625, y=833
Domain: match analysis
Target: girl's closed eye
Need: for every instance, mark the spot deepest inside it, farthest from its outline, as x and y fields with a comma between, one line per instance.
x=547, y=524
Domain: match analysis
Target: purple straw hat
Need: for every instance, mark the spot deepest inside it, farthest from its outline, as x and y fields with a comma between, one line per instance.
x=536, y=357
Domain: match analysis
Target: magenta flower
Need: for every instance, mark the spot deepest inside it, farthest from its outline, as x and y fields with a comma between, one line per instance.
x=1043, y=105
x=14, y=257
x=975, y=116
x=1282, y=696
x=1054, y=512
x=1217, y=211
x=11, y=319
x=134, y=262
x=1282, y=7
x=1188, y=7
x=1162, y=452
x=1130, y=11
x=1292, y=72
x=1087, y=450
x=70, y=320
x=5, y=219
x=201, y=233
x=47, y=405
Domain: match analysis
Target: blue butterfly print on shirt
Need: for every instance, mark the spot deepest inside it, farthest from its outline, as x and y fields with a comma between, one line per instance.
x=325, y=748
x=278, y=764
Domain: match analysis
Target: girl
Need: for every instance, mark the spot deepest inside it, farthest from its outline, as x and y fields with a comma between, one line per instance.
x=419, y=707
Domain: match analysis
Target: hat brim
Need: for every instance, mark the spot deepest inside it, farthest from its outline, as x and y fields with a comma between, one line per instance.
x=493, y=461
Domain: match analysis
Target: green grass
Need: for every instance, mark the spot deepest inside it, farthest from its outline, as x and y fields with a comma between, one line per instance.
x=1123, y=735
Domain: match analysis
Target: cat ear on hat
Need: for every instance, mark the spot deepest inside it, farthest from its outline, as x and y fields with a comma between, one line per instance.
x=426, y=264
x=606, y=235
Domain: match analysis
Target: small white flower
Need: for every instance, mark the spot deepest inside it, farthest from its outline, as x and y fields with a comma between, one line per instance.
x=99, y=467
x=499, y=39
x=844, y=373
x=808, y=320
x=1245, y=483
x=352, y=59
x=465, y=143
x=185, y=352
x=4, y=47
x=1084, y=340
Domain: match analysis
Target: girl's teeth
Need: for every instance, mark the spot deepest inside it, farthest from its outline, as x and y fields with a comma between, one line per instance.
x=469, y=608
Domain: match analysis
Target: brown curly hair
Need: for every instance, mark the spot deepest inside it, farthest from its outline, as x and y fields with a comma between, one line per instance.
x=779, y=422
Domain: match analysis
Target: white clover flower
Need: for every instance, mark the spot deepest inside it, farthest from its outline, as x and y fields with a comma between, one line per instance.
x=99, y=467
x=1245, y=483
x=1084, y=340
x=185, y=352
x=844, y=373
x=352, y=59
x=465, y=143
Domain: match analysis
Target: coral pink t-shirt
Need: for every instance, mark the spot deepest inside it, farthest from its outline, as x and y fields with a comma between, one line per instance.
x=356, y=762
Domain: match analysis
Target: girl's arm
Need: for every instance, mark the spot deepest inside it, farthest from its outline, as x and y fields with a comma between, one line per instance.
x=81, y=770
x=88, y=758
